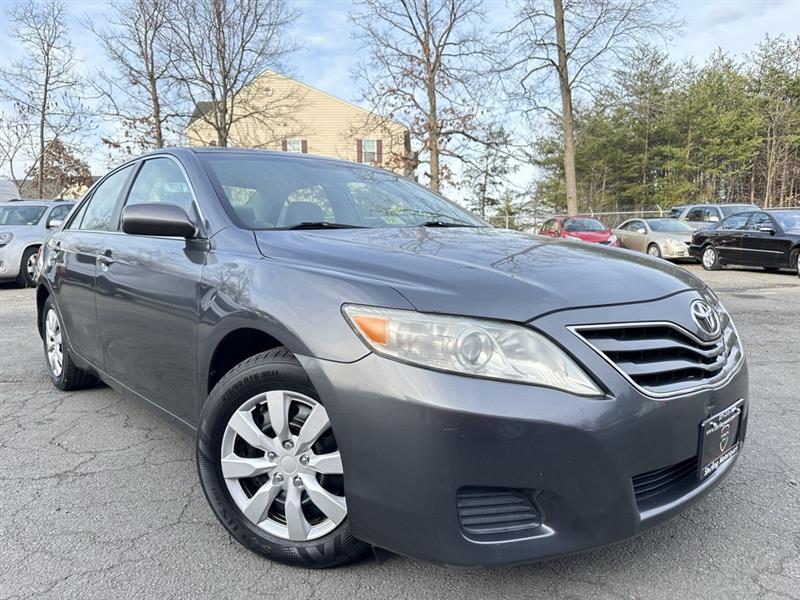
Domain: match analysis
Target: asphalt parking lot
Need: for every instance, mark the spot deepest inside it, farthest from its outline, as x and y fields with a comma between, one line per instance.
x=99, y=497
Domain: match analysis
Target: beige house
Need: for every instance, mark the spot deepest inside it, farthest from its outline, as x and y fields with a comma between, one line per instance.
x=278, y=113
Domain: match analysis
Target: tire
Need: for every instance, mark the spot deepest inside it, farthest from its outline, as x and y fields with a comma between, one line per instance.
x=654, y=251
x=710, y=259
x=25, y=277
x=64, y=374
x=238, y=402
x=795, y=260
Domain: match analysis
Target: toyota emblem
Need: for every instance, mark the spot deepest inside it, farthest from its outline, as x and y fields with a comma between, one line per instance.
x=705, y=317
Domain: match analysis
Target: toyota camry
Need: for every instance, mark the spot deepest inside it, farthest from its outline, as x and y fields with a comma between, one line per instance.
x=365, y=364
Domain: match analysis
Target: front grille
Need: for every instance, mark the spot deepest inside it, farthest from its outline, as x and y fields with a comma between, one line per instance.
x=663, y=359
x=661, y=486
x=496, y=512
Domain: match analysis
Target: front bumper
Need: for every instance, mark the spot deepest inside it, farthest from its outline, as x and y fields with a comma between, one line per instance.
x=10, y=257
x=412, y=440
x=675, y=251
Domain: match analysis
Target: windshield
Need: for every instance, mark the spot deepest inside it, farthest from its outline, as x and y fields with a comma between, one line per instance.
x=735, y=208
x=789, y=219
x=669, y=226
x=583, y=224
x=269, y=192
x=21, y=215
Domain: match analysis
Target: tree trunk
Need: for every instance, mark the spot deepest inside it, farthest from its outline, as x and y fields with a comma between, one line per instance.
x=433, y=135
x=567, y=121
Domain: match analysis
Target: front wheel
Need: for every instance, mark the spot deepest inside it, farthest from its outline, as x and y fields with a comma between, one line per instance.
x=710, y=259
x=27, y=268
x=270, y=466
x=795, y=260
x=654, y=250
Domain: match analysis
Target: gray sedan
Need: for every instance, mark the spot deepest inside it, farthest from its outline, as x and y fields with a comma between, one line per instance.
x=663, y=238
x=24, y=225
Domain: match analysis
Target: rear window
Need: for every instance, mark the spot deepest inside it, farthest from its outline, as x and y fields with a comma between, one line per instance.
x=271, y=192
x=789, y=220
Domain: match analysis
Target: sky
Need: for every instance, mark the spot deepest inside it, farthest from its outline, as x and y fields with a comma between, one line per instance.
x=328, y=53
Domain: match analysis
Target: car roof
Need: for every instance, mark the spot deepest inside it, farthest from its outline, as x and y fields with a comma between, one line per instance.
x=179, y=151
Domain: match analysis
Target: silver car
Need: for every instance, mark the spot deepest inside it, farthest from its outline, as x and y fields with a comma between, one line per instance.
x=24, y=225
x=663, y=238
x=702, y=216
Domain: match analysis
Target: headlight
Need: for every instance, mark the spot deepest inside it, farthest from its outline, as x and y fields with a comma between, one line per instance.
x=5, y=238
x=468, y=346
x=612, y=239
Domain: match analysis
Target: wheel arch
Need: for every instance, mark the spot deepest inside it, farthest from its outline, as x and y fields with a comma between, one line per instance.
x=231, y=347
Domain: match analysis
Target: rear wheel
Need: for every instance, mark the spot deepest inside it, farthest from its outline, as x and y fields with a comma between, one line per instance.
x=27, y=268
x=270, y=466
x=654, y=250
x=710, y=259
x=795, y=260
x=64, y=373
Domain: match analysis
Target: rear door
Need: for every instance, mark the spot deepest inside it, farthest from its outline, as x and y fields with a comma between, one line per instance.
x=72, y=264
x=759, y=247
x=727, y=237
x=148, y=294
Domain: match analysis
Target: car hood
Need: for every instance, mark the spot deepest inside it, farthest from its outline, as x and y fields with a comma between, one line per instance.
x=482, y=272
x=590, y=236
x=662, y=236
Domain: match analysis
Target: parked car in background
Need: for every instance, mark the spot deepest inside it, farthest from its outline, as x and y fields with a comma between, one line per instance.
x=365, y=362
x=676, y=211
x=662, y=238
x=765, y=239
x=585, y=229
x=23, y=226
x=700, y=216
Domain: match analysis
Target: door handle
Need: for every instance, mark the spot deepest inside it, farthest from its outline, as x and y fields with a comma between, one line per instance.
x=104, y=261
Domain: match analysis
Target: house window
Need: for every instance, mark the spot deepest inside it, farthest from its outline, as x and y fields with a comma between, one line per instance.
x=369, y=151
x=294, y=145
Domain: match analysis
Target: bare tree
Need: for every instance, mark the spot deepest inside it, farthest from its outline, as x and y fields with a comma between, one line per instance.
x=219, y=48
x=426, y=66
x=43, y=86
x=16, y=134
x=138, y=93
x=573, y=42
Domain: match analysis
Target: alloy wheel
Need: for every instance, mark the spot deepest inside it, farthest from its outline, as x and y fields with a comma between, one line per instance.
x=55, y=352
x=30, y=267
x=282, y=466
x=654, y=251
x=709, y=257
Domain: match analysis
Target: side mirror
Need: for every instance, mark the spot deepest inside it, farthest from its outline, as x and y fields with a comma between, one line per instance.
x=641, y=230
x=165, y=220
x=55, y=223
x=713, y=218
x=766, y=229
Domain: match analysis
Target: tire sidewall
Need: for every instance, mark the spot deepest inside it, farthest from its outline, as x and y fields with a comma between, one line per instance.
x=57, y=381
x=228, y=395
x=23, y=279
x=657, y=253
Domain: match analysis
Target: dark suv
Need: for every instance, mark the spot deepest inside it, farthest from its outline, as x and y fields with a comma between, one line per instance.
x=365, y=363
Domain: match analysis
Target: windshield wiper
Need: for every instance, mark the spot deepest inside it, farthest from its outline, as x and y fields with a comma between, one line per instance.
x=446, y=224
x=322, y=225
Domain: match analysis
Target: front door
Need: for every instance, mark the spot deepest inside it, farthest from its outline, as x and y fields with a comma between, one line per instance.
x=148, y=292
x=759, y=243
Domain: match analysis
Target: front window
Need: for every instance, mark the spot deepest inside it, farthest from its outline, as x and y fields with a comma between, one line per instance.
x=669, y=226
x=369, y=151
x=283, y=193
x=583, y=224
x=789, y=219
x=21, y=215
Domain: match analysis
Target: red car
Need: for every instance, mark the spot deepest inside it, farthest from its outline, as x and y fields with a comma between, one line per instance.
x=579, y=228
